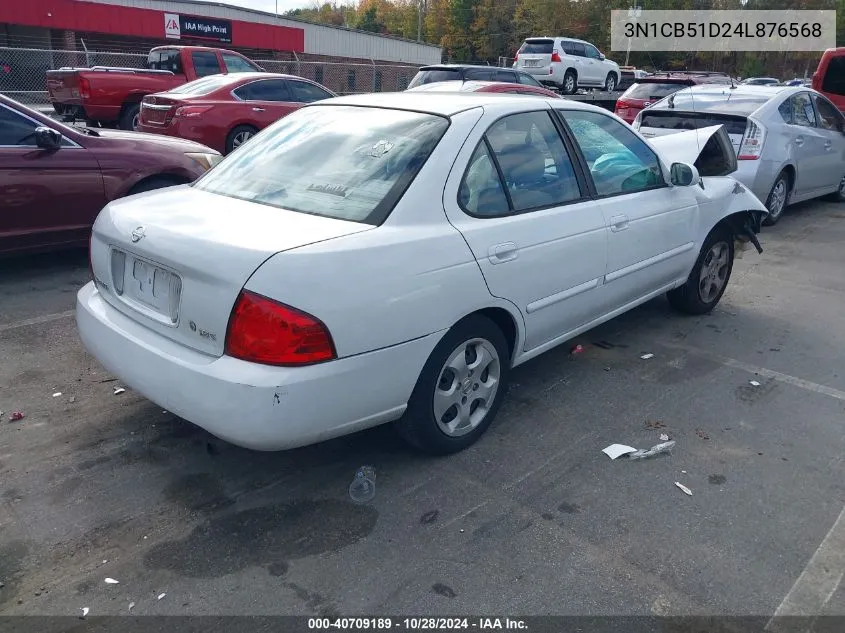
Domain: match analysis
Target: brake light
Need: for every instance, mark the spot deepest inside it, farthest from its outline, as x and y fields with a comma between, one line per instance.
x=191, y=111
x=264, y=331
x=556, y=56
x=752, y=142
x=516, y=56
x=84, y=88
x=622, y=103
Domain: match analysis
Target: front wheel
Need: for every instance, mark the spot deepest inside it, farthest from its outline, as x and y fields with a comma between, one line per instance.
x=459, y=389
x=777, y=199
x=610, y=82
x=709, y=277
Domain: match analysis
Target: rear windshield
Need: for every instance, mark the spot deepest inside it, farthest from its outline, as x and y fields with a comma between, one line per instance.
x=652, y=91
x=537, y=47
x=436, y=74
x=731, y=102
x=165, y=60
x=203, y=86
x=667, y=120
x=344, y=162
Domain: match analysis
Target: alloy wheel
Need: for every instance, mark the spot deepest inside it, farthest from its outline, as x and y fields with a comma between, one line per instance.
x=714, y=272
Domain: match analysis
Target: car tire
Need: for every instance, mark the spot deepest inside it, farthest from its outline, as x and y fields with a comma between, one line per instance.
x=569, y=85
x=839, y=194
x=777, y=199
x=472, y=358
x=709, y=277
x=129, y=117
x=151, y=184
x=610, y=83
x=238, y=136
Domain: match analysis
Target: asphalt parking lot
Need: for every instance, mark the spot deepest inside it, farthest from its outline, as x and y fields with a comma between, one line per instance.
x=534, y=519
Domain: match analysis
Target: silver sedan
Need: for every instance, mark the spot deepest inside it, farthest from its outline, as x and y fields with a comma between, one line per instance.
x=789, y=141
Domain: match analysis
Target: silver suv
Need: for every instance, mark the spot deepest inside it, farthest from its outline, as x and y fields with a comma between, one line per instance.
x=567, y=64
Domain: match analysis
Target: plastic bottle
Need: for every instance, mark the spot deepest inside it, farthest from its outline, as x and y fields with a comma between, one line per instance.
x=363, y=486
x=665, y=447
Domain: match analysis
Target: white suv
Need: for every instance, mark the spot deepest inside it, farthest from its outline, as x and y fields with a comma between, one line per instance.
x=567, y=64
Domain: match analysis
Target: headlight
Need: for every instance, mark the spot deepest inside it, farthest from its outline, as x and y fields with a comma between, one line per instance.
x=206, y=160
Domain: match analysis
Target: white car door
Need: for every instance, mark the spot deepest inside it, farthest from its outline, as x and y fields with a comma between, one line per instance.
x=651, y=226
x=541, y=244
x=595, y=65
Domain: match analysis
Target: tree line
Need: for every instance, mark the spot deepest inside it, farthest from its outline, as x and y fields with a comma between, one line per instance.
x=491, y=31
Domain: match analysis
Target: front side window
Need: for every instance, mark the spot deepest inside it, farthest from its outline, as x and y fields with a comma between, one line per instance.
x=341, y=162
x=15, y=129
x=829, y=117
x=592, y=52
x=619, y=161
x=803, y=113
x=205, y=63
x=536, y=170
x=237, y=64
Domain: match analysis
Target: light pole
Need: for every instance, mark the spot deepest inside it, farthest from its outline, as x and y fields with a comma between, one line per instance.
x=633, y=13
x=421, y=6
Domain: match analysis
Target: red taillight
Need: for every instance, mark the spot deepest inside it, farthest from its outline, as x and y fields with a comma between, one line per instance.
x=516, y=56
x=84, y=88
x=264, y=331
x=556, y=56
x=191, y=111
x=621, y=103
x=751, y=146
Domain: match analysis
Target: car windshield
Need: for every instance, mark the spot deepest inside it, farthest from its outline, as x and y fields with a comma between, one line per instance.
x=344, y=162
x=732, y=102
x=203, y=86
x=537, y=47
x=653, y=90
x=435, y=74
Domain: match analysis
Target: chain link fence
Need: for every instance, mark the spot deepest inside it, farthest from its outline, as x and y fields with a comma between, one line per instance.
x=23, y=71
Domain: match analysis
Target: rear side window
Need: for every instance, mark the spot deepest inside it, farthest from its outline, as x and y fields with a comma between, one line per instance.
x=237, y=64
x=834, y=76
x=527, y=80
x=578, y=49
x=505, y=76
x=342, y=162
x=306, y=92
x=205, y=63
x=619, y=161
x=437, y=74
x=652, y=91
x=537, y=47
x=165, y=60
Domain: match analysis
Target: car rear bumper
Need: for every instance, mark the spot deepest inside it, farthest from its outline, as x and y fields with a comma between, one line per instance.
x=758, y=175
x=251, y=405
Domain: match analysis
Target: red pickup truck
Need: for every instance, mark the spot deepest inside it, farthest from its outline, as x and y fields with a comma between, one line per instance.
x=107, y=95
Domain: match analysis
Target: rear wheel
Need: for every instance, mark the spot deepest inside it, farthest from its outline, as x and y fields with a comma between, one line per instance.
x=570, y=83
x=129, y=117
x=709, y=277
x=459, y=389
x=238, y=136
x=778, y=197
x=839, y=194
x=610, y=82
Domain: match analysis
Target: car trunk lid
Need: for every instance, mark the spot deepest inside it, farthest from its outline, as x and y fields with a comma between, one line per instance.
x=660, y=122
x=175, y=260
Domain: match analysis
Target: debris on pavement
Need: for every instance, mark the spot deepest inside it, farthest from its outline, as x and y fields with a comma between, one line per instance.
x=85, y=611
x=112, y=581
x=664, y=437
x=72, y=399
x=57, y=394
x=578, y=349
x=657, y=449
x=161, y=595
x=617, y=450
x=654, y=424
x=363, y=486
x=118, y=390
x=702, y=434
x=15, y=416
x=683, y=488
x=754, y=383
x=647, y=356
x=131, y=606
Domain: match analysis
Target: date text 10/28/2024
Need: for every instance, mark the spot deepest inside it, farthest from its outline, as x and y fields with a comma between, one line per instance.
x=417, y=624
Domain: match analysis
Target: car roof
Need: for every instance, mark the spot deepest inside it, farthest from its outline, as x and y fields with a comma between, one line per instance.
x=558, y=37
x=462, y=86
x=442, y=103
x=710, y=95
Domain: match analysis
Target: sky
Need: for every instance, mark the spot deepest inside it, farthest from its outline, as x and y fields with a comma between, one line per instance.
x=269, y=5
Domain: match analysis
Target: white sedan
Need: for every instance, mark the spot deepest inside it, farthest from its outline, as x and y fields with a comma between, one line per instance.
x=390, y=258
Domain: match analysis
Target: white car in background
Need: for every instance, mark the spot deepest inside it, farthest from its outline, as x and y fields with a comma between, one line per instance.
x=390, y=257
x=789, y=141
x=567, y=64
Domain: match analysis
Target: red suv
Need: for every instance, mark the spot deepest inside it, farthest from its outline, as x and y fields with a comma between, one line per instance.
x=661, y=84
x=829, y=78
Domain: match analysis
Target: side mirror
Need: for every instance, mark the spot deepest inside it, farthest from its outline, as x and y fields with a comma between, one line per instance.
x=602, y=56
x=48, y=138
x=684, y=175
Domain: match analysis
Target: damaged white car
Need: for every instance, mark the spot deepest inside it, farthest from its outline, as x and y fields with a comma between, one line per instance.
x=390, y=258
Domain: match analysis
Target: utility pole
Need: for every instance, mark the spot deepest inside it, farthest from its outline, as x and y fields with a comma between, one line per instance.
x=420, y=9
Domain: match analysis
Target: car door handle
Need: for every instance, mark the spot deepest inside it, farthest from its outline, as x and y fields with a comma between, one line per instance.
x=619, y=223
x=799, y=141
x=501, y=253
x=258, y=109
